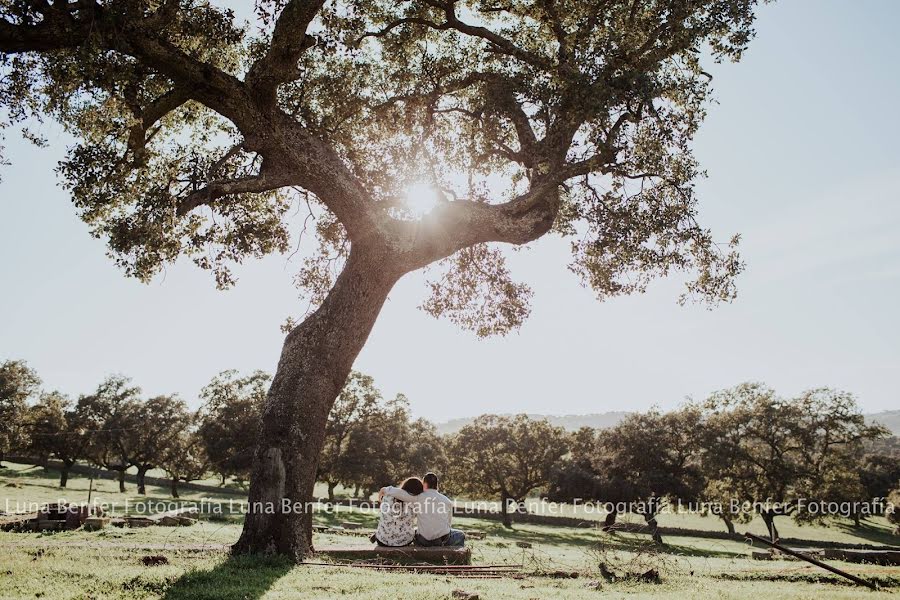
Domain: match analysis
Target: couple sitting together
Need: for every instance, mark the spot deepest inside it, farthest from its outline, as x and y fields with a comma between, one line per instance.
x=416, y=512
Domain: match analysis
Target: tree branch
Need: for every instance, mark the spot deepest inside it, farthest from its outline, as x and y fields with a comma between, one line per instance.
x=206, y=83
x=149, y=115
x=289, y=41
x=266, y=181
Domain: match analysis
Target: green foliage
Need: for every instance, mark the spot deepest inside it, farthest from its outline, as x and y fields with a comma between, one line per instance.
x=229, y=420
x=18, y=383
x=574, y=477
x=775, y=453
x=358, y=401
x=193, y=131
x=893, y=511
x=650, y=456
x=58, y=429
x=155, y=428
x=478, y=294
x=109, y=415
x=506, y=457
x=184, y=458
x=880, y=470
x=370, y=442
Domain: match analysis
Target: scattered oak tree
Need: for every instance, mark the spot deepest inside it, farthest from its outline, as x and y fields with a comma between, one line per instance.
x=230, y=419
x=109, y=413
x=380, y=449
x=647, y=459
x=880, y=471
x=574, y=479
x=59, y=429
x=18, y=383
x=505, y=457
x=424, y=449
x=185, y=459
x=893, y=510
x=194, y=132
x=157, y=424
x=767, y=453
x=358, y=400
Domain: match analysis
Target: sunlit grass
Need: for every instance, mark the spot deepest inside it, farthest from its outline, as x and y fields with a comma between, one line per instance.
x=107, y=564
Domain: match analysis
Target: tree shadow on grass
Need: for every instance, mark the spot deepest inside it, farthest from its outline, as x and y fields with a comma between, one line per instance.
x=871, y=532
x=590, y=538
x=235, y=578
x=29, y=472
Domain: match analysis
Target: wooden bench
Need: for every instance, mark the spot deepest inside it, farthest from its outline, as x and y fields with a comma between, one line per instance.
x=439, y=555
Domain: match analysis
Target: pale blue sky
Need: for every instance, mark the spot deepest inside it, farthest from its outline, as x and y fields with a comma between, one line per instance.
x=803, y=160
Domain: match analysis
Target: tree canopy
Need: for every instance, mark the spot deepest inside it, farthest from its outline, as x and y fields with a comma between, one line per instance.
x=195, y=132
x=18, y=383
x=772, y=454
x=229, y=420
x=505, y=457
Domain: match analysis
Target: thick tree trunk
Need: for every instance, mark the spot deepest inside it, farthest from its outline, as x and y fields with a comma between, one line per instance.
x=141, y=481
x=122, y=481
x=64, y=475
x=610, y=520
x=650, y=518
x=331, y=486
x=768, y=518
x=504, y=502
x=729, y=524
x=174, y=487
x=315, y=361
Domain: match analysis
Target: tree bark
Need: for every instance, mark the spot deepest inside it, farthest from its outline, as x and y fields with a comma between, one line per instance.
x=174, y=487
x=331, y=486
x=141, y=481
x=610, y=520
x=729, y=524
x=504, y=501
x=64, y=474
x=650, y=518
x=768, y=518
x=122, y=481
x=315, y=361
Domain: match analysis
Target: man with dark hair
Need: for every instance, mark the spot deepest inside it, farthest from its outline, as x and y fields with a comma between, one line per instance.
x=434, y=512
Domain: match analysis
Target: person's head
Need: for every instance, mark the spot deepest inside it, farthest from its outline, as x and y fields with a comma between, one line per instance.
x=430, y=480
x=413, y=486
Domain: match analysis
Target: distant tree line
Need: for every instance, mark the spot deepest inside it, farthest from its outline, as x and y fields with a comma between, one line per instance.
x=741, y=452
x=369, y=440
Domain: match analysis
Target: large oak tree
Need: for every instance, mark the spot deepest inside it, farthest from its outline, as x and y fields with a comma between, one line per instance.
x=779, y=456
x=506, y=457
x=195, y=133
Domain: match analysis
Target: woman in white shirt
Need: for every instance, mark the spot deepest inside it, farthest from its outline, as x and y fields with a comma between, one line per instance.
x=397, y=523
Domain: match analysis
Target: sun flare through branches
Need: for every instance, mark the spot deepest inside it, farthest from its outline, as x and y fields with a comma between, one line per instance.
x=421, y=198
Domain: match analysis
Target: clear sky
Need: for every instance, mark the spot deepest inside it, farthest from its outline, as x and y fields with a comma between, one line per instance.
x=803, y=159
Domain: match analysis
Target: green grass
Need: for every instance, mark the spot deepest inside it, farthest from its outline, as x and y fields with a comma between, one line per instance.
x=107, y=564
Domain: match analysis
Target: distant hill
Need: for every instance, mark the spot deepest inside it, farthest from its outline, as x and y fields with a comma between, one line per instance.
x=569, y=422
x=888, y=418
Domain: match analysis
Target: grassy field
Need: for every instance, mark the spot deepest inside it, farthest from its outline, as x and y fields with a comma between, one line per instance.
x=108, y=564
